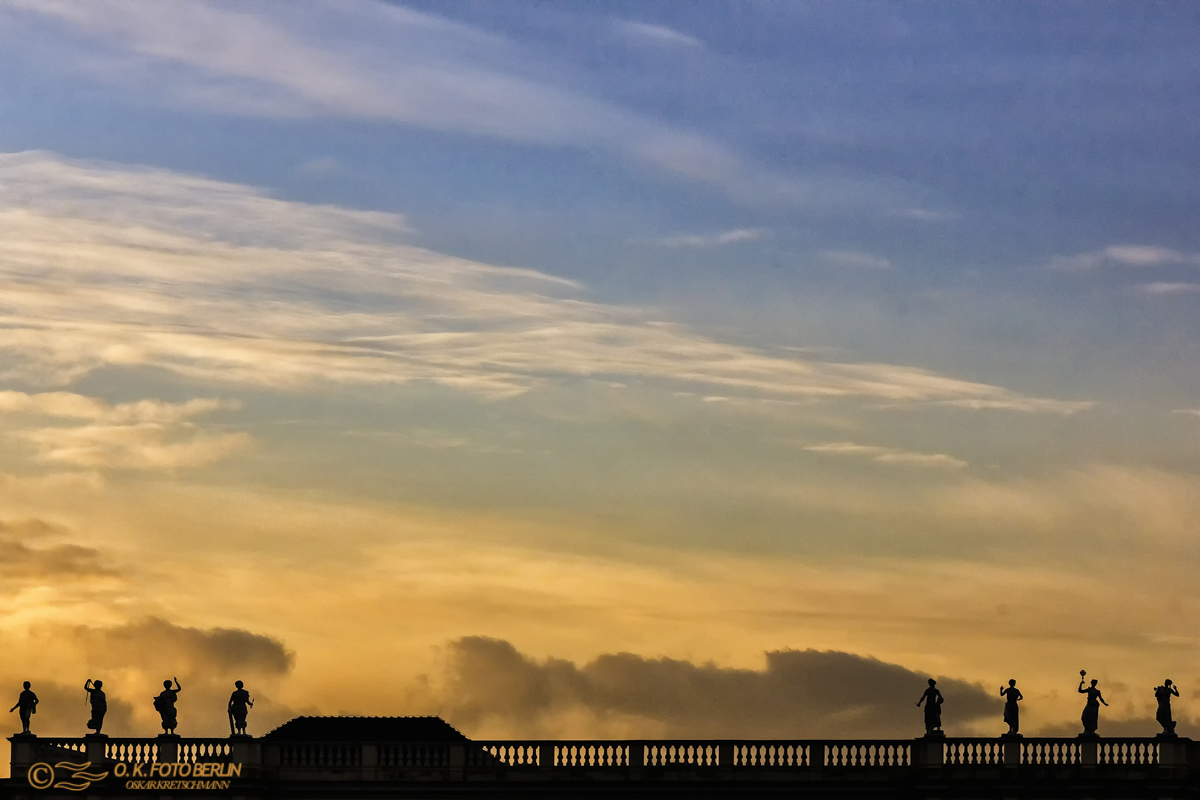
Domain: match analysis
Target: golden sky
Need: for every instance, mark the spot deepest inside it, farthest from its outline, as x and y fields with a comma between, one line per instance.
x=412, y=384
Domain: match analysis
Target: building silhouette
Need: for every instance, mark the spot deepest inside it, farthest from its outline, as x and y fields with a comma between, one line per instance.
x=371, y=758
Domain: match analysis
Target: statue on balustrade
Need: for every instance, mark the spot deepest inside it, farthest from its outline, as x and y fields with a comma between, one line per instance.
x=99, y=704
x=240, y=703
x=164, y=704
x=1163, y=695
x=1091, y=711
x=27, y=701
x=1012, y=712
x=933, y=709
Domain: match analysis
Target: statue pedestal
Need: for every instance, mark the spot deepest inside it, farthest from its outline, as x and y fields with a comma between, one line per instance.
x=1010, y=747
x=95, y=746
x=24, y=754
x=1089, y=749
x=244, y=750
x=168, y=747
x=1172, y=750
x=930, y=750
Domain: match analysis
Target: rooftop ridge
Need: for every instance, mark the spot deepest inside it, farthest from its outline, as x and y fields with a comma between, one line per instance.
x=347, y=727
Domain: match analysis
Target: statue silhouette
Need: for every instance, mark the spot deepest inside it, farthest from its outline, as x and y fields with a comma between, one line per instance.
x=1163, y=695
x=1012, y=712
x=239, y=705
x=1091, y=711
x=99, y=704
x=164, y=704
x=933, y=708
x=27, y=701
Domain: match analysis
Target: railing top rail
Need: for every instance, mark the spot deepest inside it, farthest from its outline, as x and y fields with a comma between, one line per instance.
x=136, y=739
x=186, y=740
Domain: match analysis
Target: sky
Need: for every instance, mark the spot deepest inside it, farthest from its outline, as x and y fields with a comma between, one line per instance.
x=601, y=369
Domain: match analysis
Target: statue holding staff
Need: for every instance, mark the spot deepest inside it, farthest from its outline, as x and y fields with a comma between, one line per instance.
x=1012, y=712
x=99, y=704
x=239, y=704
x=27, y=701
x=1091, y=711
x=933, y=708
x=1163, y=695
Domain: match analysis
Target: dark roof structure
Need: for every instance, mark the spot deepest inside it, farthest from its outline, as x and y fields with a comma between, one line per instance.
x=366, y=729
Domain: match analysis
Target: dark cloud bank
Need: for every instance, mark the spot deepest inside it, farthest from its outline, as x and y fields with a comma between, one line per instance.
x=800, y=694
x=26, y=554
x=133, y=659
x=154, y=643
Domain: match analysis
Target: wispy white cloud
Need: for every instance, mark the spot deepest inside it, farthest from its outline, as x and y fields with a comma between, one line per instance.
x=371, y=60
x=658, y=34
x=76, y=406
x=1024, y=405
x=711, y=239
x=147, y=434
x=145, y=446
x=1166, y=288
x=1195, y=412
x=112, y=268
x=1125, y=255
x=856, y=260
x=888, y=455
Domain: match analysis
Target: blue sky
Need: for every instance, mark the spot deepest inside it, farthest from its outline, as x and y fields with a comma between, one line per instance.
x=700, y=297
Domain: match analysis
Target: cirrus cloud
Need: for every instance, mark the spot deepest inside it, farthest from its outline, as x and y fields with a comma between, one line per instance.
x=147, y=434
x=104, y=267
x=888, y=455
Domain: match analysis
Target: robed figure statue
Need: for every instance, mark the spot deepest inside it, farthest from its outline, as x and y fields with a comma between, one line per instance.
x=1091, y=711
x=933, y=708
x=239, y=705
x=1012, y=712
x=1163, y=695
x=164, y=704
x=99, y=704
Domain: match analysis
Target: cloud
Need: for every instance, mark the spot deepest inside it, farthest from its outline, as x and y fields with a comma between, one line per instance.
x=132, y=447
x=76, y=406
x=888, y=455
x=26, y=556
x=1125, y=255
x=379, y=61
x=712, y=239
x=147, y=434
x=133, y=658
x=1164, y=288
x=849, y=258
x=158, y=645
x=103, y=267
x=1024, y=405
x=657, y=34
x=490, y=685
x=1195, y=412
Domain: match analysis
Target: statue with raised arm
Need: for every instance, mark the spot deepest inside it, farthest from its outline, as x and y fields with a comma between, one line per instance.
x=99, y=704
x=933, y=708
x=27, y=701
x=164, y=704
x=240, y=703
x=1012, y=712
x=1091, y=711
x=1163, y=695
